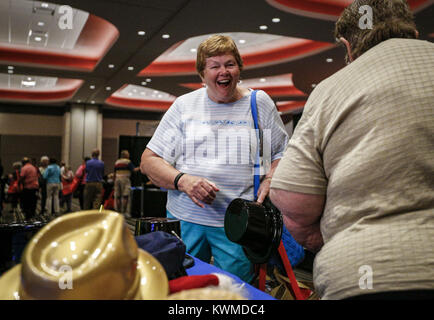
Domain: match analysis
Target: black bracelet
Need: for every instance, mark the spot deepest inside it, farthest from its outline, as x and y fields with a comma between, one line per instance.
x=175, y=182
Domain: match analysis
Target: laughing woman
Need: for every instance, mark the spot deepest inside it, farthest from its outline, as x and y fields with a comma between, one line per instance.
x=202, y=153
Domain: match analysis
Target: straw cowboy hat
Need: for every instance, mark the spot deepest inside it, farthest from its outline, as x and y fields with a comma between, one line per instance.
x=85, y=255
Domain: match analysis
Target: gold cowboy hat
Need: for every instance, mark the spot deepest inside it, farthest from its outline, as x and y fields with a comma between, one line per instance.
x=85, y=255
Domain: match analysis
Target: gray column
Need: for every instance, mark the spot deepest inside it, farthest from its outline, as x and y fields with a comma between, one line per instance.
x=85, y=132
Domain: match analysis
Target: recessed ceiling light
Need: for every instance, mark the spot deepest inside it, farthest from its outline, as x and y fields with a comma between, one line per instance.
x=313, y=85
x=10, y=71
x=44, y=5
x=275, y=20
x=93, y=102
x=262, y=80
x=10, y=67
x=111, y=66
x=263, y=27
x=41, y=24
x=108, y=88
x=141, y=33
x=38, y=38
x=148, y=80
x=165, y=36
x=242, y=41
x=193, y=49
x=92, y=86
x=78, y=101
x=144, y=83
x=329, y=60
x=130, y=68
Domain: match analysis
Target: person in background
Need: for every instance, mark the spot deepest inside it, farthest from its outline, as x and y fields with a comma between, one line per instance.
x=52, y=176
x=14, y=186
x=122, y=182
x=356, y=183
x=203, y=181
x=81, y=174
x=29, y=180
x=66, y=195
x=93, y=190
x=43, y=183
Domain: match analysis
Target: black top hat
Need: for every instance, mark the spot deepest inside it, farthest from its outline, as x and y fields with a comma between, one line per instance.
x=256, y=227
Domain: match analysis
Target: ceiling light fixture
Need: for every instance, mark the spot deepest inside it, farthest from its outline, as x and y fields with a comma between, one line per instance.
x=329, y=60
x=28, y=83
x=263, y=27
x=193, y=50
x=262, y=80
x=38, y=39
x=165, y=36
x=144, y=83
x=111, y=66
x=242, y=41
x=92, y=86
x=276, y=20
x=148, y=80
x=10, y=71
x=108, y=88
x=141, y=33
x=130, y=68
x=92, y=102
x=313, y=85
x=10, y=67
x=41, y=24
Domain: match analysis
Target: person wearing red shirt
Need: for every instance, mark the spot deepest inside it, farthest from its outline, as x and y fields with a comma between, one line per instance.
x=29, y=180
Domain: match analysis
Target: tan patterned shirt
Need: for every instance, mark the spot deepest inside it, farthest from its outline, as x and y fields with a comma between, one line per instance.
x=366, y=141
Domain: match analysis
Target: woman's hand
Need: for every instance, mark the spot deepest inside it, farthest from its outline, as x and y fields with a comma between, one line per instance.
x=198, y=189
x=264, y=190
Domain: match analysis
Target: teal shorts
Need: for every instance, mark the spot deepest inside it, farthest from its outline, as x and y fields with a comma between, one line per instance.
x=204, y=242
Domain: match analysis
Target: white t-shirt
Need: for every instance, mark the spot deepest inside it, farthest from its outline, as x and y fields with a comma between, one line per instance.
x=218, y=142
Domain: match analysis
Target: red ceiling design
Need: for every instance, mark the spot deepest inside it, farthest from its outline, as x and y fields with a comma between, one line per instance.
x=271, y=90
x=288, y=106
x=64, y=90
x=250, y=60
x=325, y=8
x=118, y=100
x=95, y=40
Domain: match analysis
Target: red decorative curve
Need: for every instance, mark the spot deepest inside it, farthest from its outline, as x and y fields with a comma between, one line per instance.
x=330, y=8
x=96, y=38
x=255, y=59
x=155, y=105
x=273, y=91
x=64, y=90
x=290, y=105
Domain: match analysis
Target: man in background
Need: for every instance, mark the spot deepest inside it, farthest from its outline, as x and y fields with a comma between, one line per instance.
x=356, y=182
x=122, y=181
x=93, y=190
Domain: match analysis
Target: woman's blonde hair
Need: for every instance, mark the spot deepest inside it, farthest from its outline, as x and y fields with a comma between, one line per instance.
x=214, y=46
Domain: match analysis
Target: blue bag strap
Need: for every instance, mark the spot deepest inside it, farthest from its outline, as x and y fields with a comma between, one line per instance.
x=256, y=165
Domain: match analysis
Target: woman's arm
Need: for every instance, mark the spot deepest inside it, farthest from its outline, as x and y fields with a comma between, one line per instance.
x=162, y=174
